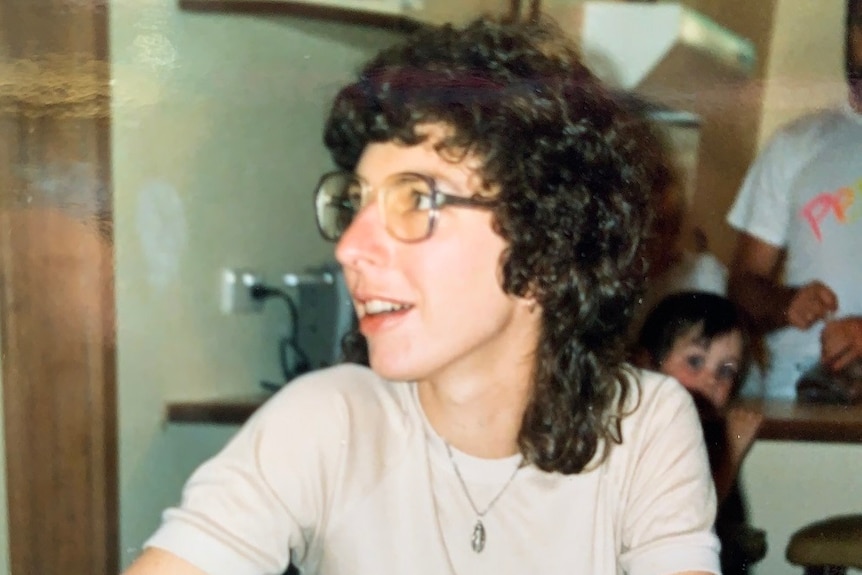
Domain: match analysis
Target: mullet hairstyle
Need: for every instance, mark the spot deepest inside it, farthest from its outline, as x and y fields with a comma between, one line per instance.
x=575, y=170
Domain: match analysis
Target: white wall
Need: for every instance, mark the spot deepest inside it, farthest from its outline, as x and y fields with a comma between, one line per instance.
x=806, y=64
x=790, y=484
x=217, y=126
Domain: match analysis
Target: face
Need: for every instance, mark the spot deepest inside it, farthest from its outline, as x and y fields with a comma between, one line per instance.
x=854, y=55
x=708, y=370
x=433, y=306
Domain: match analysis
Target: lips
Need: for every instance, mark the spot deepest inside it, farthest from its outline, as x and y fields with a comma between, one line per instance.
x=372, y=307
x=379, y=315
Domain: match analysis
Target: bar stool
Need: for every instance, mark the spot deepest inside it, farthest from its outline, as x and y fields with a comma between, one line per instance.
x=828, y=546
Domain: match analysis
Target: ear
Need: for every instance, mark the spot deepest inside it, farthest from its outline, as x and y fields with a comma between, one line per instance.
x=530, y=298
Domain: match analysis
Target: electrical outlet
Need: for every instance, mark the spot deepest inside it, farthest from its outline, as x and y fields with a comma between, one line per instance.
x=236, y=291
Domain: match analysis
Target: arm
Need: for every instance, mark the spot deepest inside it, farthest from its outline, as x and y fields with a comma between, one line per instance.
x=248, y=509
x=157, y=562
x=741, y=429
x=753, y=284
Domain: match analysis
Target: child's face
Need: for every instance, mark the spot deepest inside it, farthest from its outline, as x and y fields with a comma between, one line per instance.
x=706, y=369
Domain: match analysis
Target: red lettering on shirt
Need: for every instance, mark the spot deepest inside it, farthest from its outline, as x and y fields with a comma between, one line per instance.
x=839, y=203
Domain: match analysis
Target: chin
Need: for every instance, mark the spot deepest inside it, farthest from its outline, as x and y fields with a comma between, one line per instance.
x=392, y=366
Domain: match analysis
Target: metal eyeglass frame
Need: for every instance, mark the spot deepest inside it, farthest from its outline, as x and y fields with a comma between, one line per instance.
x=437, y=198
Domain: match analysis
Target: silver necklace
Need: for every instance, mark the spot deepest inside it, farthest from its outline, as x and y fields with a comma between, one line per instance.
x=477, y=539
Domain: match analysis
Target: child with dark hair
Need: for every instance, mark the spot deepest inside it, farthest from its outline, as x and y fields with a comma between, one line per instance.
x=701, y=339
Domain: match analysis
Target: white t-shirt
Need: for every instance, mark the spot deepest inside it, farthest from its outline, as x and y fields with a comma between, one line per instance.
x=341, y=471
x=804, y=194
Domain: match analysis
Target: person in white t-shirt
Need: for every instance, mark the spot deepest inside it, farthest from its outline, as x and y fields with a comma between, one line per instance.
x=801, y=205
x=489, y=208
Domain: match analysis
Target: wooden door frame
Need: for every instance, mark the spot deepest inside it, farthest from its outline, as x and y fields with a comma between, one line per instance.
x=57, y=287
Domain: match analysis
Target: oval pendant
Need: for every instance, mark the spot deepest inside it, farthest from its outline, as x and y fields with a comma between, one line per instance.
x=478, y=539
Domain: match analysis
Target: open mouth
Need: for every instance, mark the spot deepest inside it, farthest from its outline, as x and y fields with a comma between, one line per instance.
x=379, y=307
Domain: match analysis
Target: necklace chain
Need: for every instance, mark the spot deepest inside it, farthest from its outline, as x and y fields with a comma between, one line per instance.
x=477, y=540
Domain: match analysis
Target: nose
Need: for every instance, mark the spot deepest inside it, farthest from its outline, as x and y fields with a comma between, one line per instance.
x=714, y=388
x=704, y=383
x=364, y=240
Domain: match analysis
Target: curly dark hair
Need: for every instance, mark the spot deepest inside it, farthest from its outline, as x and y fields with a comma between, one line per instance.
x=575, y=170
x=853, y=18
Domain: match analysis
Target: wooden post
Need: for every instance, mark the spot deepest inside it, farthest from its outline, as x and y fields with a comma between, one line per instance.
x=56, y=287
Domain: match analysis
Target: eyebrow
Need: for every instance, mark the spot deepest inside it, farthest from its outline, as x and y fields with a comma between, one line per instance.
x=417, y=173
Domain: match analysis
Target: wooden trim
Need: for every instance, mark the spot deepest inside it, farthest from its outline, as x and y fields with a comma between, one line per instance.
x=784, y=420
x=787, y=420
x=228, y=411
x=57, y=287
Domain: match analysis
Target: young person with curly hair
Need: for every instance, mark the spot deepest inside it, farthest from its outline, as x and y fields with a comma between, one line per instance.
x=490, y=204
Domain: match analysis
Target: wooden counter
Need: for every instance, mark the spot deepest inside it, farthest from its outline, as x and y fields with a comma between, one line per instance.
x=784, y=420
x=227, y=411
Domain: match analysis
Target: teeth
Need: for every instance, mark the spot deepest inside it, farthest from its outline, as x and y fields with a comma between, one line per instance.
x=374, y=306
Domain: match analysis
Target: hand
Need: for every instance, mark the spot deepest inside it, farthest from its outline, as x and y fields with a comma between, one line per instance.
x=811, y=303
x=841, y=342
x=742, y=426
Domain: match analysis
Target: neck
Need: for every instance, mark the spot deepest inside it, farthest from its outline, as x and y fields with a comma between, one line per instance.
x=478, y=415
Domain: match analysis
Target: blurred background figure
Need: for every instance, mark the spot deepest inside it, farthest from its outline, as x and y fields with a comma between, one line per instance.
x=795, y=269
x=678, y=258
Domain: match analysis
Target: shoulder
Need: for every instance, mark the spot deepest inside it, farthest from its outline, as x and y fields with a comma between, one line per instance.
x=662, y=464
x=814, y=121
x=807, y=131
x=656, y=389
x=334, y=387
x=762, y=207
x=313, y=450
x=659, y=404
x=345, y=404
x=333, y=432
x=656, y=409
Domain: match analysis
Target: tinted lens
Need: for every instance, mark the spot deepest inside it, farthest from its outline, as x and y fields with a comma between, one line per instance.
x=409, y=202
x=338, y=198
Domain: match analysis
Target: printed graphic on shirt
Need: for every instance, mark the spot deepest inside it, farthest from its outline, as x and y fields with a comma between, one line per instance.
x=843, y=204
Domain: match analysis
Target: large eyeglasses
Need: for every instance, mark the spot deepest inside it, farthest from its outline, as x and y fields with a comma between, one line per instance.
x=409, y=204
